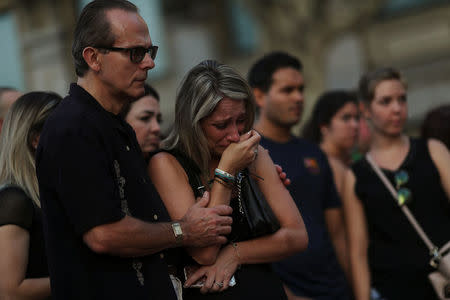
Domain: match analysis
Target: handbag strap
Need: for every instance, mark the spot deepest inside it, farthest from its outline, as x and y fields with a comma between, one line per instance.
x=404, y=208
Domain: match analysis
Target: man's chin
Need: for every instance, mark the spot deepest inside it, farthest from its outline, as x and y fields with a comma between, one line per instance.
x=139, y=92
x=134, y=94
x=291, y=123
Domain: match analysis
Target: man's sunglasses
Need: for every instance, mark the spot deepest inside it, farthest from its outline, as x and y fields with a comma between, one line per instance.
x=137, y=54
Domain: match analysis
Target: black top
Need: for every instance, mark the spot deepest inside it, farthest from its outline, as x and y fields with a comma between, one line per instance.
x=398, y=259
x=91, y=172
x=16, y=208
x=256, y=281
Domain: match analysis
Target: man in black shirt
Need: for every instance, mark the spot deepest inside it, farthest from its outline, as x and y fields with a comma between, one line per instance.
x=104, y=223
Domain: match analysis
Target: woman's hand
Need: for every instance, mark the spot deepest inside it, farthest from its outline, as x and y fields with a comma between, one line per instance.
x=219, y=274
x=238, y=156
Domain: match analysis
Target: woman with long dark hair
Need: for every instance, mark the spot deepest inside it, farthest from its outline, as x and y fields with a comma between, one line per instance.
x=144, y=115
x=334, y=127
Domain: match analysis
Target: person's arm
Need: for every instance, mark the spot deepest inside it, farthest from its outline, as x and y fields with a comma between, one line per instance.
x=338, y=169
x=132, y=237
x=441, y=158
x=358, y=239
x=14, y=246
x=334, y=218
x=289, y=239
x=105, y=228
x=292, y=236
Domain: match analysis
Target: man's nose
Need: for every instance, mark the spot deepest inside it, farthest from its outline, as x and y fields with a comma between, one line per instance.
x=397, y=105
x=298, y=96
x=147, y=63
x=354, y=122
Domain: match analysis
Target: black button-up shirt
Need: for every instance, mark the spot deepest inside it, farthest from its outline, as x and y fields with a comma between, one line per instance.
x=91, y=172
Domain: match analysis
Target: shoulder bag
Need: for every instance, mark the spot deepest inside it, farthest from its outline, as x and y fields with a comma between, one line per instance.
x=254, y=207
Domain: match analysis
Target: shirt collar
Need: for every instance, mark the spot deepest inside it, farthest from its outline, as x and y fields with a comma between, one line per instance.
x=80, y=94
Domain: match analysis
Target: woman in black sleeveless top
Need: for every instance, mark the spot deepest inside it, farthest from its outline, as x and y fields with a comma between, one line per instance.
x=386, y=251
x=23, y=263
x=212, y=139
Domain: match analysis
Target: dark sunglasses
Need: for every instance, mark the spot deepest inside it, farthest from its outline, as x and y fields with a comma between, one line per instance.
x=137, y=54
x=404, y=194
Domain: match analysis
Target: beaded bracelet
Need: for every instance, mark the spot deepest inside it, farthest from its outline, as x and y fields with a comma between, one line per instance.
x=225, y=184
x=225, y=176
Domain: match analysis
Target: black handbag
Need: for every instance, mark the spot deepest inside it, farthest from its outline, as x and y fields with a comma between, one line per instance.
x=254, y=207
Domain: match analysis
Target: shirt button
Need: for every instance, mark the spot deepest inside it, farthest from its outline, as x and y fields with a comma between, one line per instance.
x=161, y=255
x=127, y=147
x=143, y=180
x=155, y=217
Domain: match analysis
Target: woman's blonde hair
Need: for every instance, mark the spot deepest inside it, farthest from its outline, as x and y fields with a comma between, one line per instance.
x=202, y=89
x=23, y=124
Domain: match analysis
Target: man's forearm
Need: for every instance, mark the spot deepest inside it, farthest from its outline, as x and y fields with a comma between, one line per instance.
x=130, y=237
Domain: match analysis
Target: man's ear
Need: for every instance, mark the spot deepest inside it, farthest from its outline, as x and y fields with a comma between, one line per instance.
x=91, y=56
x=259, y=97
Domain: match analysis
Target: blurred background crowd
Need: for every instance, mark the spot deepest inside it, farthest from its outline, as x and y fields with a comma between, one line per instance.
x=337, y=41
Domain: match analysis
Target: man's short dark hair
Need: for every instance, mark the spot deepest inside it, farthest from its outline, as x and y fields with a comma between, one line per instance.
x=260, y=74
x=93, y=29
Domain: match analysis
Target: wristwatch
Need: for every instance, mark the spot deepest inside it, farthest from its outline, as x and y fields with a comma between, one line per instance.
x=177, y=232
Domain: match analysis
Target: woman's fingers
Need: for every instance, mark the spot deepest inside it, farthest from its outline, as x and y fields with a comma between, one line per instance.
x=226, y=283
x=217, y=285
x=254, y=139
x=245, y=136
x=194, y=277
x=250, y=147
x=209, y=282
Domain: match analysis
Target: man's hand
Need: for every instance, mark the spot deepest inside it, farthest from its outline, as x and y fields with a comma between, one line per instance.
x=204, y=226
x=283, y=177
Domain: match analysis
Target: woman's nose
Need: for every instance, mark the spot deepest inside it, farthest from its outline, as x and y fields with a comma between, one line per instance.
x=155, y=127
x=354, y=122
x=233, y=136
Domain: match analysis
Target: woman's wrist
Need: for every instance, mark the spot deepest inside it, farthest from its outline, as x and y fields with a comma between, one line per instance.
x=228, y=185
x=237, y=253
